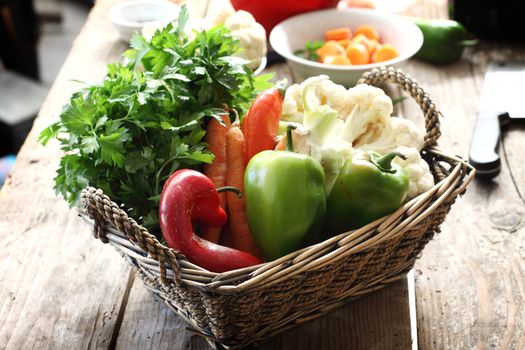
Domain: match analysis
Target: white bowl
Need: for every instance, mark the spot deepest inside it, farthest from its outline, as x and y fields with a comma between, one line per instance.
x=293, y=33
x=131, y=16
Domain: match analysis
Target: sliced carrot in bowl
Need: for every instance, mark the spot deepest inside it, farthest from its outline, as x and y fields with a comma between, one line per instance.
x=337, y=60
x=368, y=31
x=330, y=48
x=384, y=53
x=338, y=34
x=358, y=54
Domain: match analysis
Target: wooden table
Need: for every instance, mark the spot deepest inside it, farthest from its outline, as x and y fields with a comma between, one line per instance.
x=59, y=288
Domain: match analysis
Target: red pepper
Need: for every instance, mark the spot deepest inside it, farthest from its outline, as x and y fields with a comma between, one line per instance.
x=261, y=124
x=187, y=197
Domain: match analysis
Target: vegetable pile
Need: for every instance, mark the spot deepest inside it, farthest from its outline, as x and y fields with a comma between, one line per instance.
x=148, y=117
x=229, y=169
x=344, y=47
x=320, y=161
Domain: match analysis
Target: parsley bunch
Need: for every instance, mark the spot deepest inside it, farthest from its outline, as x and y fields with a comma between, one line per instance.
x=147, y=118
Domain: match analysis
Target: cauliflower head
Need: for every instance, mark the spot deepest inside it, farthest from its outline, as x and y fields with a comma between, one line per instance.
x=394, y=133
x=370, y=111
x=251, y=35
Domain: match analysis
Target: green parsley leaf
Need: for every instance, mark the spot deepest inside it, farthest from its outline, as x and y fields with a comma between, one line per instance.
x=148, y=117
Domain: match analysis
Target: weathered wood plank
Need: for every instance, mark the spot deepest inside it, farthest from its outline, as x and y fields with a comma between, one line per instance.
x=59, y=288
x=376, y=321
x=469, y=281
x=149, y=323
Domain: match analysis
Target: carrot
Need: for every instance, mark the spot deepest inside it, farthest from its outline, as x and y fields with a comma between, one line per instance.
x=241, y=235
x=226, y=236
x=344, y=43
x=361, y=39
x=373, y=45
x=367, y=4
x=358, y=54
x=368, y=31
x=215, y=137
x=337, y=60
x=384, y=53
x=330, y=48
x=338, y=34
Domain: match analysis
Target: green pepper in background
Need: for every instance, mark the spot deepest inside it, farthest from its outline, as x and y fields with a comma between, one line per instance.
x=368, y=187
x=285, y=200
x=443, y=40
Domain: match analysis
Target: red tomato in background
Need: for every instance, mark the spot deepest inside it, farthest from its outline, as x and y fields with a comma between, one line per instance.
x=270, y=12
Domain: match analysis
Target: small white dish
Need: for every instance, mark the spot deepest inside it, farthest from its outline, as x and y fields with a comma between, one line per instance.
x=293, y=33
x=131, y=16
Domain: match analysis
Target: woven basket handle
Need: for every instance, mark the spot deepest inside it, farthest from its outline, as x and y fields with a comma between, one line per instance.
x=103, y=210
x=430, y=112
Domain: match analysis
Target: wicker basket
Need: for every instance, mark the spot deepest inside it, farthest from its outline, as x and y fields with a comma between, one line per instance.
x=246, y=306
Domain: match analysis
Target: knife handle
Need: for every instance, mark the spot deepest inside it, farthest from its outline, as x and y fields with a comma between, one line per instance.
x=485, y=144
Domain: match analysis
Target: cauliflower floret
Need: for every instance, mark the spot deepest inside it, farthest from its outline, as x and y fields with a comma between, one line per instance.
x=334, y=95
x=292, y=103
x=396, y=132
x=371, y=109
x=218, y=13
x=332, y=156
x=251, y=35
x=316, y=91
x=420, y=177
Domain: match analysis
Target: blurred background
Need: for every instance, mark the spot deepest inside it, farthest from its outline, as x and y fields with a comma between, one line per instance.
x=35, y=38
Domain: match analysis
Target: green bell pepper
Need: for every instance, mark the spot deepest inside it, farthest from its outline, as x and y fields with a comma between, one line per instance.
x=285, y=200
x=443, y=40
x=368, y=187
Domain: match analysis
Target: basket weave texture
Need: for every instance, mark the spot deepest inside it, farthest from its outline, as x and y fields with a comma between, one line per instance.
x=242, y=307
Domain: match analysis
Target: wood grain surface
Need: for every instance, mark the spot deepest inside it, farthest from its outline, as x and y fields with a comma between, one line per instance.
x=470, y=281
x=61, y=289
x=58, y=290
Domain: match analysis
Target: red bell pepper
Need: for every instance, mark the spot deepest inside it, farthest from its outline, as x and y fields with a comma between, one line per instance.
x=187, y=197
x=261, y=124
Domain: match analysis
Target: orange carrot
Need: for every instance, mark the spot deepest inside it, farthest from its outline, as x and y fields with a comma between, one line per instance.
x=241, y=235
x=338, y=34
x=361, y=39
x=337, y=60
x=358, y=54
x=384, y=53
x=373, y=45
x=215, y=137
x=367, y=4
x=330, y=48
x=226, y=236
x=344, y=43
x=368, y=31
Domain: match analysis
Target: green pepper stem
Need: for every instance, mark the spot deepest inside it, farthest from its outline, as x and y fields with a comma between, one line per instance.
x=281, y=86
x=385, y=162
x=289, y=140
x=230, y=189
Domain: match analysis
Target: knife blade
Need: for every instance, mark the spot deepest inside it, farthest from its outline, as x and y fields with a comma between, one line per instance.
x=502, y=100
